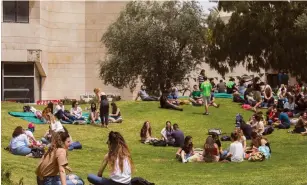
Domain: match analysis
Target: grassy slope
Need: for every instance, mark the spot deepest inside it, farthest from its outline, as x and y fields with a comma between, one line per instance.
x=287, y=165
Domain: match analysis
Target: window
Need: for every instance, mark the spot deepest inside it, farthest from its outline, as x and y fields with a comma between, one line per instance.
x=16, y=11
x=19, y=82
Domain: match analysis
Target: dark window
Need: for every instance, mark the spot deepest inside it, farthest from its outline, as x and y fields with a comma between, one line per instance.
x=19, y=89
x=18, y=69
x=272, y=80
x=16, y=11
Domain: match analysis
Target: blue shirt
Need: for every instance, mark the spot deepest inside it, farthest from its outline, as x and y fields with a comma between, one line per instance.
x=284, y=119
x=265, y=150
x=19, y=141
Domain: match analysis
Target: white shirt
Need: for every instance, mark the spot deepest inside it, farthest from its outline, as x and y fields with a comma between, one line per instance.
x=289, y=106
x=236, y=150
x=76, y=112
x=122, y=177
x=19, y=141
x=57, y=108
x=29, y=134
x=57, y=126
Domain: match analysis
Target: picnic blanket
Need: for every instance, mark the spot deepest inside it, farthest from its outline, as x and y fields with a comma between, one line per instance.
x=30, y=117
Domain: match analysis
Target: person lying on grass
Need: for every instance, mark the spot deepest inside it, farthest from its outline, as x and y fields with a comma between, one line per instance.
x=119, y=161
x=196, y=97
x=115, y=117
x=236, y=152
x=144, y=96
x=211, y=150
x=186, y=151
x=54, y=164
x=146, y=133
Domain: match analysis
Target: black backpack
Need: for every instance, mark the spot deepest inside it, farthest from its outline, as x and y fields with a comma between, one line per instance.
x=37, y=152
x=26, y=108
x=140, y=181
x=159, y=143
x=268, y=130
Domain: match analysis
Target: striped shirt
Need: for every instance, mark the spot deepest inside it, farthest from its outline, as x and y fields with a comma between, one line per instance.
x=200, y=79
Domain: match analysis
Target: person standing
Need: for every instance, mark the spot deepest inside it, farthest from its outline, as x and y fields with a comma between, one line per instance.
x=201, y=77
x=206, y=88
x=104, y=110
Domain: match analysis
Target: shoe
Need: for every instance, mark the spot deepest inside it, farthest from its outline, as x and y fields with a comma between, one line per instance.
x=184, y=161
x=206, y=113
x=218, y=105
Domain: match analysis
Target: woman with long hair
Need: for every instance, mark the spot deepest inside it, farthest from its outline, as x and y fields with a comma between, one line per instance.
x=94, y=115
x=119, y=161
x=115, y=116
x=55, y=125
x=167, y=131
x=19, y=144
x=54, y=164
x=211, y=150
x=187, y=150
x=76, y=111
x=146, y=133
x=268, y=97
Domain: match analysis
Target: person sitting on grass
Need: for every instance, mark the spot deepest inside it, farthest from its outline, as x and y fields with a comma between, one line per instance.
x=166, y=133
x=94, y=115
x=55, y=125
x=246, y=129
x=206, y=88
x=255, y=143
x=236, y=151
x=76, y=111
x=211, y=150
x=19, y=144
x=231, y=86
x=284, y=121
x=166, y=104
x=59, y=112
x=115, y=117
x=265, y=148
x=196, y=97
x=173, y=96
x=119, y=161
x=290, y=105
x=186, y=151
x=217, y=141
x=144, y=96
x=272, y=115
x=268, y=99
x=178, y=136
x=146, y=133
x=54, y=164
x=257, y=124
x=299, y=127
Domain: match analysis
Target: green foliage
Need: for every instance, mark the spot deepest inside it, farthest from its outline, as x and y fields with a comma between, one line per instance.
x=157, y=42
x=259, y=35
x=301, y=21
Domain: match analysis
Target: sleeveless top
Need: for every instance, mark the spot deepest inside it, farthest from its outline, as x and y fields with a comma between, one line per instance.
x=119, y=176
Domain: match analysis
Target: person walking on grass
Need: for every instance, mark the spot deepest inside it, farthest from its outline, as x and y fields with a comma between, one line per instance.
x=206, y=89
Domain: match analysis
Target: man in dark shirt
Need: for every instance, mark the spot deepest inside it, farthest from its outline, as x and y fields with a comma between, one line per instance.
x=178, y=136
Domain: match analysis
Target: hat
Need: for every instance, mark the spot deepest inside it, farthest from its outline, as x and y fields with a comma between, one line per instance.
x=31, y=125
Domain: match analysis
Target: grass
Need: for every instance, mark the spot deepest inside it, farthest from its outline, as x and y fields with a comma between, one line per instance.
x=158, y=164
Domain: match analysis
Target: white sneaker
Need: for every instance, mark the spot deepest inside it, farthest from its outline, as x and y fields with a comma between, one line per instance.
x=184, y=161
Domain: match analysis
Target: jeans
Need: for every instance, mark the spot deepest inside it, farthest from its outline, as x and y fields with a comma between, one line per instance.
x=22, y=150
x=94, y=179
x=56, y=180
x=104, y=116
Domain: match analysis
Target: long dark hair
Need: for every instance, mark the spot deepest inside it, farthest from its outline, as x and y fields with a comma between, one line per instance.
x=93, y=109
x=144, y=129
x=118, y=149
x=187, y=146
x=171, y=129
x=114, y=108
x=73, y=104
x=18, y=130
x=209, y=145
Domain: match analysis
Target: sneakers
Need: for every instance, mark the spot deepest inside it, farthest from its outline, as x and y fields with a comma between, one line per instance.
x=206, y=113
x=184, y=161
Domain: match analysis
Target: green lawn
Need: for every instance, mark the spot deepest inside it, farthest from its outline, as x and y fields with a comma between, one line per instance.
x=158, y=164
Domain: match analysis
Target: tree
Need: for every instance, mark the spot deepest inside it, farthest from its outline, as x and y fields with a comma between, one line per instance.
x=158, y=42
x=301, y=21
x=259, y=35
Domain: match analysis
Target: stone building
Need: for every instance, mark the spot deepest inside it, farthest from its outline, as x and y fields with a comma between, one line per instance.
x=50, y=49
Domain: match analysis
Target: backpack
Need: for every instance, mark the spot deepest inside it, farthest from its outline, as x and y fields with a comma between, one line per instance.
x=268, y=130
x=239, y=120
x=140, y=181
x=76, y=145
x=26, y=108
x=37, y=152
x=159, y=143
x=225, y=138
x=215, y=130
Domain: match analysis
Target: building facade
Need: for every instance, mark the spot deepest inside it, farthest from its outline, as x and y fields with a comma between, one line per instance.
x=51, y=49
